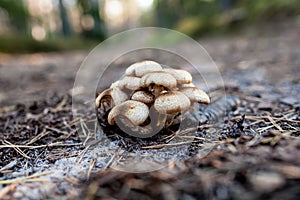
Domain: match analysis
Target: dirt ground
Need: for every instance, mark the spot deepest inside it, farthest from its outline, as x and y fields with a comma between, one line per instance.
x=255, y=153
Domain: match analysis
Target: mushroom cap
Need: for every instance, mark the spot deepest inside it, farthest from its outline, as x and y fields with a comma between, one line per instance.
x=196, y=95
x=187, y=85
x=158, y=78
x=104, y=93
x=139, y=69
x=118, y=83
x=132, y=83
x=117, y=95
x=143, y=96
x=182, y=76
x=172, y=102
x=136, y=112
x=129, y=82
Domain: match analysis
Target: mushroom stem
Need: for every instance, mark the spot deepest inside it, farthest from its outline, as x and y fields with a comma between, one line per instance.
x=157, y=90
x=101, y=96
x=156, y=124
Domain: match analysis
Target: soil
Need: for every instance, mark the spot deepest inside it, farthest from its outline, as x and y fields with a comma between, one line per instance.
x=252, y=154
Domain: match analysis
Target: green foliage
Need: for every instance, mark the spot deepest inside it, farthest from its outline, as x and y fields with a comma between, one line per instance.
x=23, y=44
x=169, y=13
x=257, y=10
x=195, y=26
x=203, y=17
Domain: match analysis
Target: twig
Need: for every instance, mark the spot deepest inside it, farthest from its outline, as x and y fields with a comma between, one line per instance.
x=274, y=123
x=23, y=180
x=291, y=126
x=7, y=190
x=74, y=121
x=17, y=149
x=250, y=117
x=9, y=165
x=85, y=128
x=166, y=145
x=57, y=130
x=191, y=137
x=83, y=153
x=183, y=132
x=39, y=146
x=72, y=180
x=91, y=168
x=170, y=138
x=82, y=126
x=62, y=103
x=110, y=161
x=31, y=178
x=39, y=136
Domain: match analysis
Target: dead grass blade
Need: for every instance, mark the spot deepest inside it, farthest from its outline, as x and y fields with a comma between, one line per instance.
x=91, y=168
x=31, y=178
x=39, y=136
x=17, y=149
x=39, y=146
x=166, y=145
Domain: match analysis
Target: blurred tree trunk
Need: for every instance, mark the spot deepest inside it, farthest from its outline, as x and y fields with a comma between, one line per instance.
x=93, y=8
x=66, y=30
x=18, y=14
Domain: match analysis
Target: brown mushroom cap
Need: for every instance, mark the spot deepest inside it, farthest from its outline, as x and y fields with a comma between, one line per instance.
x=159, y=78
x=117, y=95
x=196, y=95
x=136, y=112
x=143, y=96
x=172, y=102
x=139, y=69
x=182, y=76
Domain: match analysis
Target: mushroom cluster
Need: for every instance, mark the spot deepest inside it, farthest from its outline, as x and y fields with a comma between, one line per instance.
x=149, y=98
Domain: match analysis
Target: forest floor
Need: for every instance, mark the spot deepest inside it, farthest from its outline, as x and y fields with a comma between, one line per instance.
x=253, y=154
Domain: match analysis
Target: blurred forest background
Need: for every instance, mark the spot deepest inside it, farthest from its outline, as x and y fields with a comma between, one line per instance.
x=54, y=25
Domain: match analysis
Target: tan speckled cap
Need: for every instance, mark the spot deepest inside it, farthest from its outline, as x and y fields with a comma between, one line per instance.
x=172, y=102
x=136, y=112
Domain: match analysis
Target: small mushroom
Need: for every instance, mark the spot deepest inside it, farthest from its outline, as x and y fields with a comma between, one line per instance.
x=196, y=95
x=143, y=96
x=129, y=82
x=158, y=99
x=136, y=112
x=159, y=78
x=115, y=94
x=139, y=69
x=172, y=102
x=182, y=76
